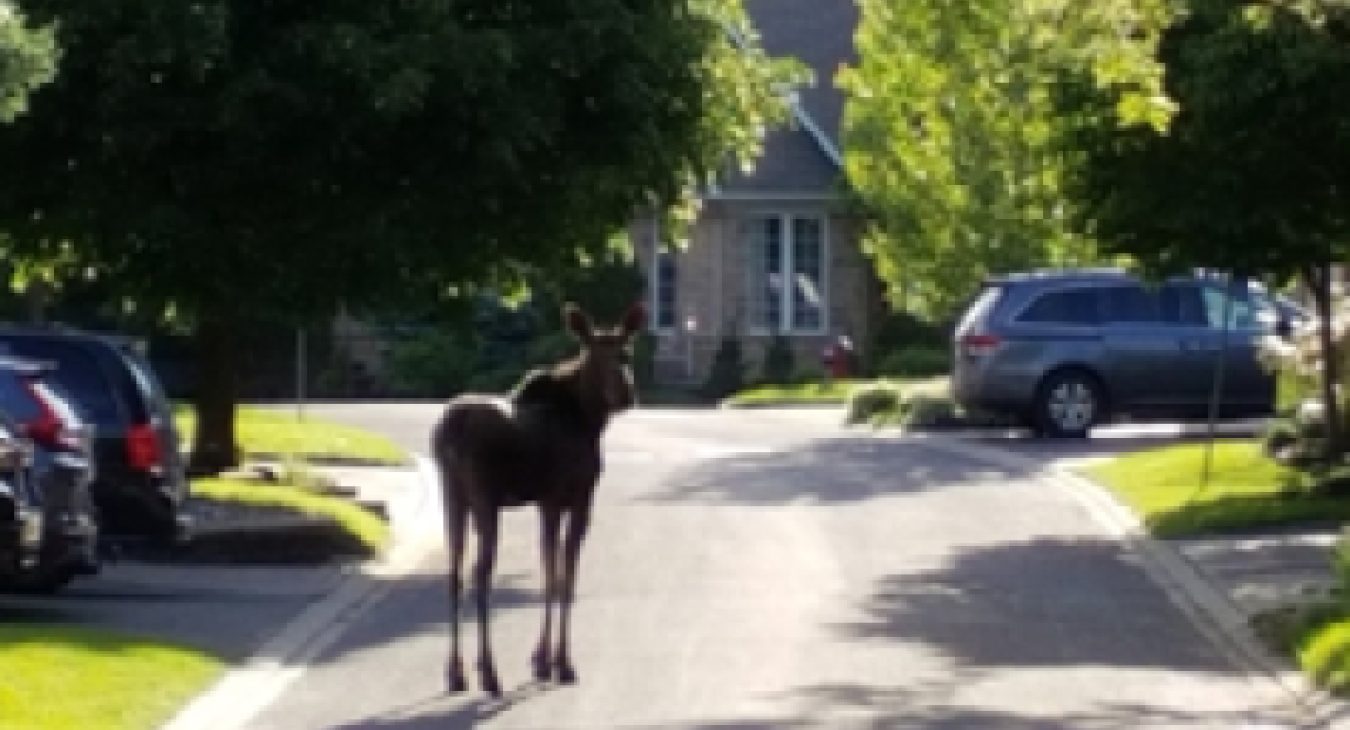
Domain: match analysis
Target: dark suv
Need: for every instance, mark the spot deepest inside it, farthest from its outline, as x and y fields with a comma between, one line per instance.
x=140, y=486
x=60, y=473
x=20, y=515
x=1065, y=350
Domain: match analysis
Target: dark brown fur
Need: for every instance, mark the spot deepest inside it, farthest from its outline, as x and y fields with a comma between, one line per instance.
x=542, y=446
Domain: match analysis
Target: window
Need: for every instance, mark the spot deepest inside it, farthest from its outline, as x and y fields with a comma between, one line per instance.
x=662, y=280
x=1130, y=305
x=1182, y=304
x=77, y=373
x=786, y=274
x=1075, y=307
x=1244, y=313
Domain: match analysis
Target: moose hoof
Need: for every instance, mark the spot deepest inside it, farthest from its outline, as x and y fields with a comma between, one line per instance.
x=490, y=684
x=566, y=674
x=454, y=681
x=542, y=668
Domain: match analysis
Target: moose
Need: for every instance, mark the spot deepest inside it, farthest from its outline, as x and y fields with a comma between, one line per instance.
x=540, y=445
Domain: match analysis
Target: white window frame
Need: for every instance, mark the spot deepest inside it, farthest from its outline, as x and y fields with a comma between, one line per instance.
x=788, y=264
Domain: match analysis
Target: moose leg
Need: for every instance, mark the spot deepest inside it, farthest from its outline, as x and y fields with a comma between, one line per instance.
x=455, y=524
x=485, y=521
x=550, y=521
x=577, y=523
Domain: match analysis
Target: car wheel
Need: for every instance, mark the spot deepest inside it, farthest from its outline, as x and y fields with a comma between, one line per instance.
x=1069, y=403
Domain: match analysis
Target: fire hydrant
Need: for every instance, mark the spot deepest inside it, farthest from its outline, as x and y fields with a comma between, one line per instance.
x=838, y=359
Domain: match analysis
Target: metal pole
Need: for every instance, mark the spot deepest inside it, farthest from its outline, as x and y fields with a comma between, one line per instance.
x=300, y=374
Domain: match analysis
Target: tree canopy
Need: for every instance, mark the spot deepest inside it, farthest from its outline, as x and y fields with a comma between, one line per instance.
x=949, y=131
x=238, y=159
x=1252, y=174
x=27, y=60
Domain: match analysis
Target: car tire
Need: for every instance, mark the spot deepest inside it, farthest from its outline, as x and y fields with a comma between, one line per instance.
x=1069, y=403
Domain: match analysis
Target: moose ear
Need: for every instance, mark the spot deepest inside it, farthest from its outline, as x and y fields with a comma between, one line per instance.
x=578, y=323
x=634, y=320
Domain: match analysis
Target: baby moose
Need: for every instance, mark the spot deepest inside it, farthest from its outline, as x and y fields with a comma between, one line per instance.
x=541, y=446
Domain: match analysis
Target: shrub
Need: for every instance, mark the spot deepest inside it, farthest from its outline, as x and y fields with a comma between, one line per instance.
x=432, y=364
x=727, y=372
x=903, y=330
x=778, y=361
x=874, y=403
x=914, y=362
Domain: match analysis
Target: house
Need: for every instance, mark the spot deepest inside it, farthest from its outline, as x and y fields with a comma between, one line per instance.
x=773, y=250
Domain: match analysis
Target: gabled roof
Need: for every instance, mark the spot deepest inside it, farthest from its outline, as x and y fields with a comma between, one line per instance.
x=803, y=156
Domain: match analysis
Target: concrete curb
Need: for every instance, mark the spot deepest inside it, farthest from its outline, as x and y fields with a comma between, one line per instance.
x=247, y=690
x=1208, y=606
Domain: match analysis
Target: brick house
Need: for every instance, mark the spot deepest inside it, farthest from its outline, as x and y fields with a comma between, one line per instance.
x=773, y=250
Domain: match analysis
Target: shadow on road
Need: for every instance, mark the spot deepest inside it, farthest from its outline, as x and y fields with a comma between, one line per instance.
x=834, y=470
x=1046, y=602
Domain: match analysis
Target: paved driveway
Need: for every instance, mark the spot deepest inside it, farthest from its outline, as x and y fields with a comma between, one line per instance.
x=760, y=569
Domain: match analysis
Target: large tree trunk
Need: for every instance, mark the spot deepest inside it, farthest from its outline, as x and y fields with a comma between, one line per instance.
x=1319, y=281
x=215, y=447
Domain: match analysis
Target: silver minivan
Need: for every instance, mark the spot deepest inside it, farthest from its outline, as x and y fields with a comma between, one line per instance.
x=1065, y=350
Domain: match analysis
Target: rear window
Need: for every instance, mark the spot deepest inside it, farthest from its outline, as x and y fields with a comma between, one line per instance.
x=1077, y=307
x=980, y=308
x=15, y=398
x=77, y=374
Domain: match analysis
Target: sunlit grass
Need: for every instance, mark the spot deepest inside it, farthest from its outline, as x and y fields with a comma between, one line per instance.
x=58, y=677
x=1245, y=489
x=282, y=434
x=359, y=523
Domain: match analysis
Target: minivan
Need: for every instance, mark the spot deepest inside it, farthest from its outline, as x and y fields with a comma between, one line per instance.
x=1064, y=350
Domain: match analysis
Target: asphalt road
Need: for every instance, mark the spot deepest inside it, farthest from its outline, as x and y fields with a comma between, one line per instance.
x=763, y=569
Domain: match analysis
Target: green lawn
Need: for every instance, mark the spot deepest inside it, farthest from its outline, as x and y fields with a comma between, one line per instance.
x=280, y=433
x=59, y=677
x=820, y=392
x=1245, y=490
x=369, y=530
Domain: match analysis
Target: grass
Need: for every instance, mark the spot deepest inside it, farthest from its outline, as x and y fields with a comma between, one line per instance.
x=367, y=529
x=819, y=392
x=1246, y=490
x=280, y=434
x=59, y=677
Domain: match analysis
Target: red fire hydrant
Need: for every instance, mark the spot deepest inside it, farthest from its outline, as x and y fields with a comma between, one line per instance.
x=838, y=359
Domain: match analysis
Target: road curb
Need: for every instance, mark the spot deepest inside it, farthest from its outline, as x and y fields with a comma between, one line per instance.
x=1208, y=606
x=243, y=692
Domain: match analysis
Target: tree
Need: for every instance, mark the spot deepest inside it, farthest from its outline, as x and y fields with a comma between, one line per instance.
x=239, y=160
x=1252, y=174
x=27, y=60
x=948, y=132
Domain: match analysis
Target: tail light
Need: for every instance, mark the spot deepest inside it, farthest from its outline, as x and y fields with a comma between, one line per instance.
x=47, y=429
x=979, y=344
x=143, y=448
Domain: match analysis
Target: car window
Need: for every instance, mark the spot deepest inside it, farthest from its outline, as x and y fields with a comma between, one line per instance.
x=1242, y=312
x=1077, y=307
x=147, y=381
x=15, y=398
x=77, y=373
x=1130, y=305
x=978, y=309
x=1183, y=305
